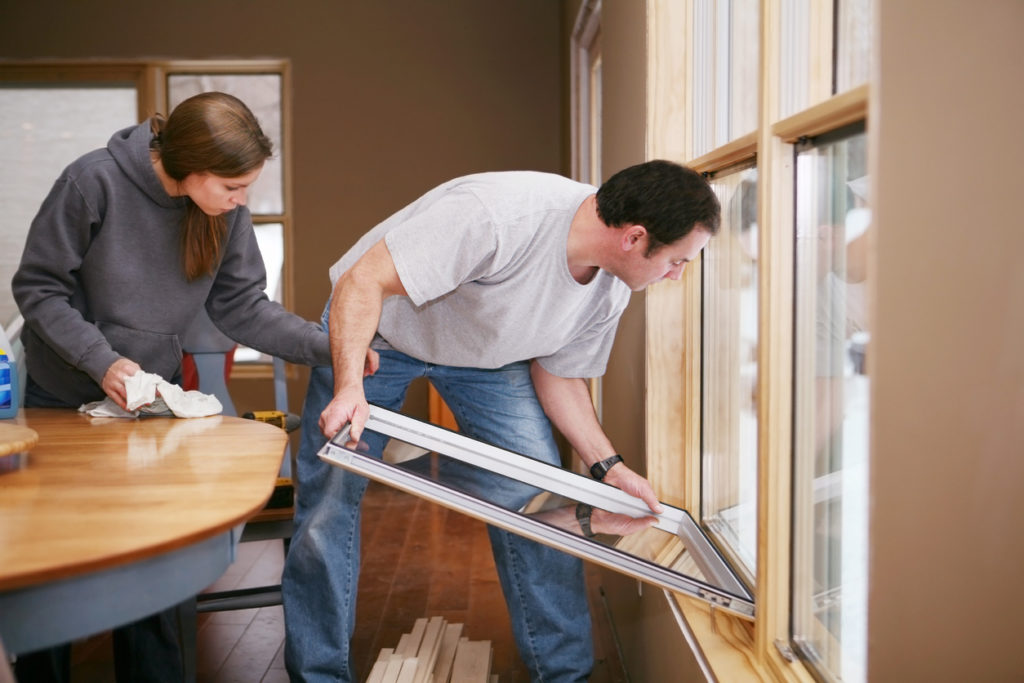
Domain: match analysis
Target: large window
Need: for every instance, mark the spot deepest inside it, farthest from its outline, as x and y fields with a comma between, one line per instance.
x=729, y=365
x=723, y=72
x=782, y=333
x=263, y=93
x=52, y=113
x=586, y=93
x=831, y=404
x=43, y=128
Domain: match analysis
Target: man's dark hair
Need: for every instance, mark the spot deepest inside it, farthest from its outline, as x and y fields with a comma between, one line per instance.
x=666, y=198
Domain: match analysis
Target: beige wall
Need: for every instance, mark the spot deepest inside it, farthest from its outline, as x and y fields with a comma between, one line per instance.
x=390, y=97
x=947, y=466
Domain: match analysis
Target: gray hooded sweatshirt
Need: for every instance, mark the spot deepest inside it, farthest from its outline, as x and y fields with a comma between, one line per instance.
x=101, y=278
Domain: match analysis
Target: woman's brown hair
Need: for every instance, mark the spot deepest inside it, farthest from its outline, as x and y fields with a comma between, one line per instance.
x=215, y=133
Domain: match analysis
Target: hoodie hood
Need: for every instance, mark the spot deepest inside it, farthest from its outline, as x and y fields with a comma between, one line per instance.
x=130, y=149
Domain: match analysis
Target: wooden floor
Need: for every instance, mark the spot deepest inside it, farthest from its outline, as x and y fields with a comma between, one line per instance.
x=419, y=560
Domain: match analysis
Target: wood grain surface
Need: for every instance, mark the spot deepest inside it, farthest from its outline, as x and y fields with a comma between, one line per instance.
x=100, y=492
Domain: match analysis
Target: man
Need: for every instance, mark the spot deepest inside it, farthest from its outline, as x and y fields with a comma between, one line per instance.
x=504, y=290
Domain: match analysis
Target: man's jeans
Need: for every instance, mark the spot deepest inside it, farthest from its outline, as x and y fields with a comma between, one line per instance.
x=544, y=588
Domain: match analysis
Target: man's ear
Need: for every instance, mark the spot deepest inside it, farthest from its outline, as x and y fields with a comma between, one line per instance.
x=633, y=236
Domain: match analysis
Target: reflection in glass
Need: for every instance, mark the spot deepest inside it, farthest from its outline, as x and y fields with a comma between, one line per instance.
x=724, y=71
x=831, y=364
x=262, y=94
x=794, y=56
x=729, y=375
x=853, y=43
x=42, y=130
x=539, y=501
x=270, y=237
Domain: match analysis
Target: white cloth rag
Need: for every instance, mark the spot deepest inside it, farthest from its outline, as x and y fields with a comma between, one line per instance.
x=150, y=394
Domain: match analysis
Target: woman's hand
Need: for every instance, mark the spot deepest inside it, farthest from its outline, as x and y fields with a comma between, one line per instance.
x=114, y=380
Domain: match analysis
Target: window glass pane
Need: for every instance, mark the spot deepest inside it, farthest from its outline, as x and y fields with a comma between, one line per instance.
x=795, y=61
x=539, y=501
x=729, y=384
x=831, y=406
x=744, y=62
x=262, y=94
x=724, y=71
x=853, y=43
x=42, y=130
x=702, y=76
x=270, y=237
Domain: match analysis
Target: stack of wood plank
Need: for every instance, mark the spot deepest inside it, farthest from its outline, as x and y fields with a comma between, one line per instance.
x=434, y=651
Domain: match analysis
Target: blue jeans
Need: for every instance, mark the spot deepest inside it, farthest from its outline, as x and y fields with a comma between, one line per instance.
x=544, y=588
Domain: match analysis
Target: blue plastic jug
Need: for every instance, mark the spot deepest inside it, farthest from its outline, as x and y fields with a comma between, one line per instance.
x=9, y=394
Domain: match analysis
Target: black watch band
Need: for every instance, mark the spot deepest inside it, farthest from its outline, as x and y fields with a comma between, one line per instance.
x=599, y=469
x=583, y=512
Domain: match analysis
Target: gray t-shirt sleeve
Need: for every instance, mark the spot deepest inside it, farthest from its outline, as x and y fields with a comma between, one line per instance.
x=444, y=245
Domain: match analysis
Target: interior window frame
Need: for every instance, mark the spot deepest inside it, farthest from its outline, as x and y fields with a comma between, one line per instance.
x=765, y=648
x=727, y=546
x=262, y=367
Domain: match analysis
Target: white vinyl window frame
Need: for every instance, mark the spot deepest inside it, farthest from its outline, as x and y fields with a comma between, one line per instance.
x=720, y=586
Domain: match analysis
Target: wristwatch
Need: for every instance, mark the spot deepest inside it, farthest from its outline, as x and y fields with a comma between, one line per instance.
x=583, y=512
x=599, y=469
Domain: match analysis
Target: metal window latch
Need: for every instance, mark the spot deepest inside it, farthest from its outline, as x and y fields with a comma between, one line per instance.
x=785, y=650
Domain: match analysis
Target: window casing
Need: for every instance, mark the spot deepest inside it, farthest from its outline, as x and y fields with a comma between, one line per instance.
x=264, y=93
x=831, y=404
x=586, y=93
x=812, y=77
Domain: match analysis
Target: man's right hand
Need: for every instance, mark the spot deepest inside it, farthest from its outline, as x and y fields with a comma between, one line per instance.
x=347, y=406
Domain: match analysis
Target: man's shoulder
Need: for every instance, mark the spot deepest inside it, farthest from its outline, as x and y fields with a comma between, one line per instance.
x=510, y=196
x=520, y=179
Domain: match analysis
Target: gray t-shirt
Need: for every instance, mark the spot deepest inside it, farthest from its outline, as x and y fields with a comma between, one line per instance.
x=483, y=259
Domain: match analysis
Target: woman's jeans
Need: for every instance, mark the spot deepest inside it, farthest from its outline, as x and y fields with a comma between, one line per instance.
x=544, y=588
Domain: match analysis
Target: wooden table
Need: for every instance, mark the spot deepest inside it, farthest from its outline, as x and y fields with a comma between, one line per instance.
x=114, y=519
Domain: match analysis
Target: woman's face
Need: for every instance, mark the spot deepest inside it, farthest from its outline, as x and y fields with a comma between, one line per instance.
x=214, y=194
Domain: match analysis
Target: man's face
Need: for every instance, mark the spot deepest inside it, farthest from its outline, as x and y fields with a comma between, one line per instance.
x=667, y=262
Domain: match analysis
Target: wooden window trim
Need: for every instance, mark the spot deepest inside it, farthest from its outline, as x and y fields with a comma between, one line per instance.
x=734, y=648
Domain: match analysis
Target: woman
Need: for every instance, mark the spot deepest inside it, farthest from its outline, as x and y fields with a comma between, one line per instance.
x=132, y=241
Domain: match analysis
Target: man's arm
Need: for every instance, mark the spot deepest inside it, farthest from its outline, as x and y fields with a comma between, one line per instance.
x=355, y=314
x=566, y=401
